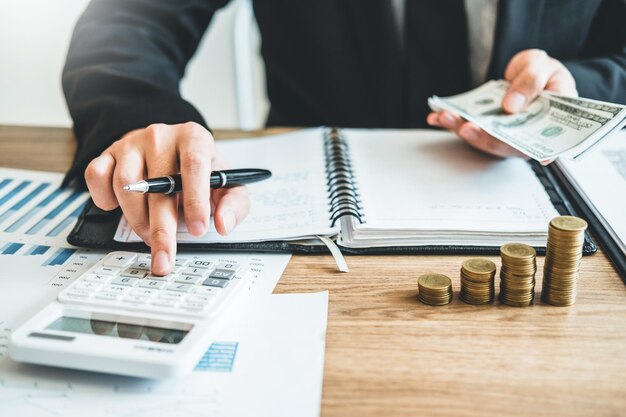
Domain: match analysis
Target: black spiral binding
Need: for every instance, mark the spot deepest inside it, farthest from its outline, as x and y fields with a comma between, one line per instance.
x=343, y=192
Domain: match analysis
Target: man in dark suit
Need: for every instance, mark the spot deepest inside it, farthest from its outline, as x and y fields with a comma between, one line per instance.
x=365, y=63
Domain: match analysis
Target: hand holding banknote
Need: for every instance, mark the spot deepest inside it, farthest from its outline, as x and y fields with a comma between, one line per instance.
x=519, y=117
x=529, y=73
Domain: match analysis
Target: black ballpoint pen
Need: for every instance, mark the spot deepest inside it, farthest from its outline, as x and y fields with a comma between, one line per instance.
x=219, y=179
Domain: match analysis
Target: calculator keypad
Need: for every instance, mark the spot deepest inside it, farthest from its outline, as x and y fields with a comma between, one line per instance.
x=123, y=280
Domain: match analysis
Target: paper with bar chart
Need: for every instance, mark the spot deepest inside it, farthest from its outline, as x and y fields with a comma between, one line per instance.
x=34, y=209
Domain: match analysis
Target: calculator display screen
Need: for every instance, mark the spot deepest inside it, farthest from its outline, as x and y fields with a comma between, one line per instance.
x=173, y=333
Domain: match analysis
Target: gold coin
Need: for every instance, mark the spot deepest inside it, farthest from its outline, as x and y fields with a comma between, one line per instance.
x=517, y=250
x=434, y=281
x=569, y=224
x=479, y=266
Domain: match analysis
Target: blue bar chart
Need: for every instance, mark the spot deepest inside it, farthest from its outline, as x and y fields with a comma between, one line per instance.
x=15, y=191
x=59, y=256
x=16, y=225
x=54, y=213
x=23, y=201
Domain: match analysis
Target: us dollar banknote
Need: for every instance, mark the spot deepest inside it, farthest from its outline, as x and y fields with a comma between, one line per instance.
x=552, y=126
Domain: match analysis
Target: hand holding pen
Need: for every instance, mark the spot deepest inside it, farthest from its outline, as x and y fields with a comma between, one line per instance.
x=158, y=151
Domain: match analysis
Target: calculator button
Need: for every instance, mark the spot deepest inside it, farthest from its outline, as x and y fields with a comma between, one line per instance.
x=144, y=292
x=222, y=274
x=141, y=265
x=190, y=270
x=209, y=291
x=125, y=281
x=215, y=282
x=134, y=299
x=102, y=279
x=201, y=298
x=171, y=295
x=119, y=259
x=153, y=284
x=228, y=267
x=134, y=272
x=180, y=287
x=189, y=279
x=197, y=263
x=106, y=270
x=142, y=257
x=117, y=289
x=164, y=302
x=87, y=286
x=195, y=305
x=108, y=296
x=72, y=293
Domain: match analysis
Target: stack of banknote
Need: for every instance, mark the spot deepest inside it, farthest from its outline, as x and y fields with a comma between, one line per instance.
x=552, y=126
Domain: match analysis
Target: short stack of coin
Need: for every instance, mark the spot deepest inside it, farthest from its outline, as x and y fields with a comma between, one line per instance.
x=517, y=274
x=477, y=281
x=566, y=236
x=434, y=289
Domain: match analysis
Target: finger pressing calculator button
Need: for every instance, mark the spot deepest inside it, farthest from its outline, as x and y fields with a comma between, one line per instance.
x=215, y=282
x=119, y=259
x=222, y=274
x=127, y=281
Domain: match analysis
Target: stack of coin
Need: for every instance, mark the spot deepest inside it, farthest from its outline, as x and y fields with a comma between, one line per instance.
x=566, y=236
x=517, y=274
x=477, y=281
x=434, y=289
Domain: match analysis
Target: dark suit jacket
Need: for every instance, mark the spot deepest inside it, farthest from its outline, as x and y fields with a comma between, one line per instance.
x=328, y=62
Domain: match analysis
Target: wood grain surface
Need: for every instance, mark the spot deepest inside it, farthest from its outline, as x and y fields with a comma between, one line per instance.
x=389, y=355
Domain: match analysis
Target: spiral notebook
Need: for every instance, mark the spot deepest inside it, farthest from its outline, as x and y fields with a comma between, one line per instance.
x=370, y=191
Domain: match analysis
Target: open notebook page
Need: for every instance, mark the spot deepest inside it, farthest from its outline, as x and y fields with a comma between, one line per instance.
x=423, y=187
x=292, y=204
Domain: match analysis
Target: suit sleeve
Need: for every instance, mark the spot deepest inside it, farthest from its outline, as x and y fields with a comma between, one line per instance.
x=601, y=72
x=123, y=69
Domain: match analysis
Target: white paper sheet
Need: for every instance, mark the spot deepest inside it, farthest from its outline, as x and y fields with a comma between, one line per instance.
x=600, y=177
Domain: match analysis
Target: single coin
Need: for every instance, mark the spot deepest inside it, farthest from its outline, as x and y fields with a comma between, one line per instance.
x=569, y=223
x=518, y=250
x=434, y=281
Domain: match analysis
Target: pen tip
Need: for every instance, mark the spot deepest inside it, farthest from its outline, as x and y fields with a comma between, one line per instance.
x=127, y=187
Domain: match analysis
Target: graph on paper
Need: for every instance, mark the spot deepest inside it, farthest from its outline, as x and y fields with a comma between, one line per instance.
x=34, y=209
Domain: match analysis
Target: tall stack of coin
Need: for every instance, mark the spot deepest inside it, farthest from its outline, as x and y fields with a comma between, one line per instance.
x=517, y=274
x=434, y=289
x=566, y=236
x=477, y=281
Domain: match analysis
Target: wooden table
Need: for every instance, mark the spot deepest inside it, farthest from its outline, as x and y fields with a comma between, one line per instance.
x=389, y=355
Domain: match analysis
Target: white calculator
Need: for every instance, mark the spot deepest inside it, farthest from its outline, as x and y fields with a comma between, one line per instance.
x=118, y=318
